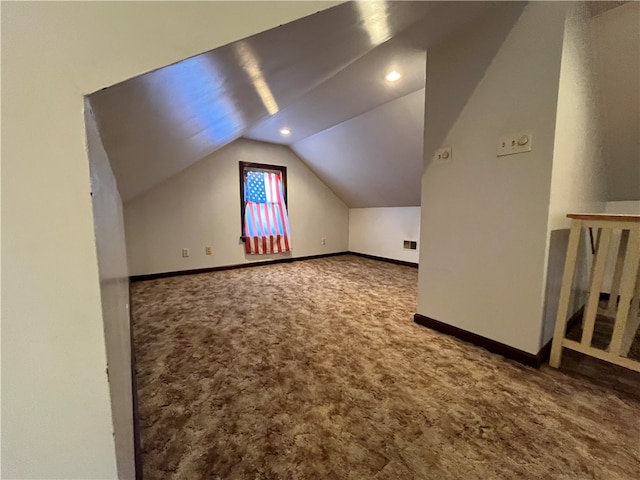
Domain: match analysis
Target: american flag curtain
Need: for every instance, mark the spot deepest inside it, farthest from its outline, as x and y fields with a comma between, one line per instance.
x=266, y=224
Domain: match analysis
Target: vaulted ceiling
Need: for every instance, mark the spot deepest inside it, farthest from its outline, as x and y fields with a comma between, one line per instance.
x=323, y=77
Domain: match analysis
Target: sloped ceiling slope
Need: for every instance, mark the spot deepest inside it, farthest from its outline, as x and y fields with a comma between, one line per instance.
x=384, y=167
x=321, y=76
x=352, y=91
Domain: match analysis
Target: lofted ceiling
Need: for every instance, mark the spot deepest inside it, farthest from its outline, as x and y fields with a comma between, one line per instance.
x=354, y=90
x=321, y=76
x=384, y=168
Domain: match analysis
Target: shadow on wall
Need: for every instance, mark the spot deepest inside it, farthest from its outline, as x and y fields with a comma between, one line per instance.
x=555, y=268
x=499, y=22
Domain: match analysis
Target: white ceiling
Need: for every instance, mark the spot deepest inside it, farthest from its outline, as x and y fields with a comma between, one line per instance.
x=354, y=90
x=321, y=76
x=361, y=134
x=384, y=167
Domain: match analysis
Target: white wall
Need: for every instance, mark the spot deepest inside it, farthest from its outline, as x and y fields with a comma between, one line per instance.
x=616, y=34
x=623, y=207
x=618, y=207
x=484, y=218
x=56, y=419
x=373, y=159
x=200, y=206
x=382, y=231
x=578, y=181
x=114, y=294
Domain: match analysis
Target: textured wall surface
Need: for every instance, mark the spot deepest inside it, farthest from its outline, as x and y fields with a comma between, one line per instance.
x=616, y=35
x=578, y=178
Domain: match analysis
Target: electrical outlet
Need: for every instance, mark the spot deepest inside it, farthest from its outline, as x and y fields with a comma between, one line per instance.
x=324, y=241
x=207, y=250
x=185, y=252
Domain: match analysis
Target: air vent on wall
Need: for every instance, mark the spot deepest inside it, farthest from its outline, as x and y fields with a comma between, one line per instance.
x=409, y=245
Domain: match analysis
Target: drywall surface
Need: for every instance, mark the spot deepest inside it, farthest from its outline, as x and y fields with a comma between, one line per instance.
x=384, y=169
x=578, y=180
x=616, y=34
x=200, y=207
x=382, y=231
x=578, y=174
x=114, y=294
x=484, y=218
x=56, y=418
x=623, y=207
x=620, y=207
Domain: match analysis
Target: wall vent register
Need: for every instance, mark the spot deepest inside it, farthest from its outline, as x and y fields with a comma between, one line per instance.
x=410, y=245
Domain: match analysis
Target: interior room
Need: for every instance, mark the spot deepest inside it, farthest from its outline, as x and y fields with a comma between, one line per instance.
x=321, y=240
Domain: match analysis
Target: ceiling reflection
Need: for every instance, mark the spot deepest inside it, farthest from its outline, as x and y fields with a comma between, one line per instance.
x=189, y=92
x=375, y=19
x=161, y=122
x=251, y=66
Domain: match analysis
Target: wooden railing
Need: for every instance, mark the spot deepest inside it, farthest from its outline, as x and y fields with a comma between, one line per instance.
x=624, y=300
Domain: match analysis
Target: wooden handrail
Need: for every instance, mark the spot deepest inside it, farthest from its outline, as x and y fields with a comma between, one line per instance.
x=607, y=217
x=624, y=300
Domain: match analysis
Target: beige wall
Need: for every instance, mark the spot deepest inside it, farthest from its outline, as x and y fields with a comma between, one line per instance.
x=625, y=207
x=619, y=207
x=578, y=181
x=56, y=418
x=382, y=231
x=200, y=207
x=114, y=294
x=616, y=35
x=484, y=218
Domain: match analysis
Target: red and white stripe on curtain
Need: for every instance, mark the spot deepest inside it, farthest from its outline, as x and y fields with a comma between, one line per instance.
x=266, y=223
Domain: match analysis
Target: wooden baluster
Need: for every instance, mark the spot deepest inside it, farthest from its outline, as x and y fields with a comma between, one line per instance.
x=565, y=293
x=594, y=250
x=617, y=274
x=633, y=322
x=627, y=287
x=597, y=276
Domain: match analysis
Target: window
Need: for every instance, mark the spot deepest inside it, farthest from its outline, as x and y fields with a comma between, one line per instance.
x=263, y=197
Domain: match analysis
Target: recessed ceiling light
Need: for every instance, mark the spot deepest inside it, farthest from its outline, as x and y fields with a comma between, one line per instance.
x=393, y=76
x=285, y=131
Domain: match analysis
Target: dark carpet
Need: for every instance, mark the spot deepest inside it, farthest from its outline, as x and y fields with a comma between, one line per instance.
x=315, y=370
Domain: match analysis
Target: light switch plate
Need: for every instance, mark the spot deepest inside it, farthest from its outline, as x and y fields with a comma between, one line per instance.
x=443, y=155
x=512, y=143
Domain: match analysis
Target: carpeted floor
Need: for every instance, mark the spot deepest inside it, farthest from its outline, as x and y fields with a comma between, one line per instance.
x=315, y=370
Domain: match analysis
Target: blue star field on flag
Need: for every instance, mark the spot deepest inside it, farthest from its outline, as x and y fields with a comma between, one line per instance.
x=256, y=191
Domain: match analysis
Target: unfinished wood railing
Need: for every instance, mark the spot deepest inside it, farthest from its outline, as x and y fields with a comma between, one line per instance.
x=624, y=300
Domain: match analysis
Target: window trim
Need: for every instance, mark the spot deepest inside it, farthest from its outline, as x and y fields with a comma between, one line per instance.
x=244, y=166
